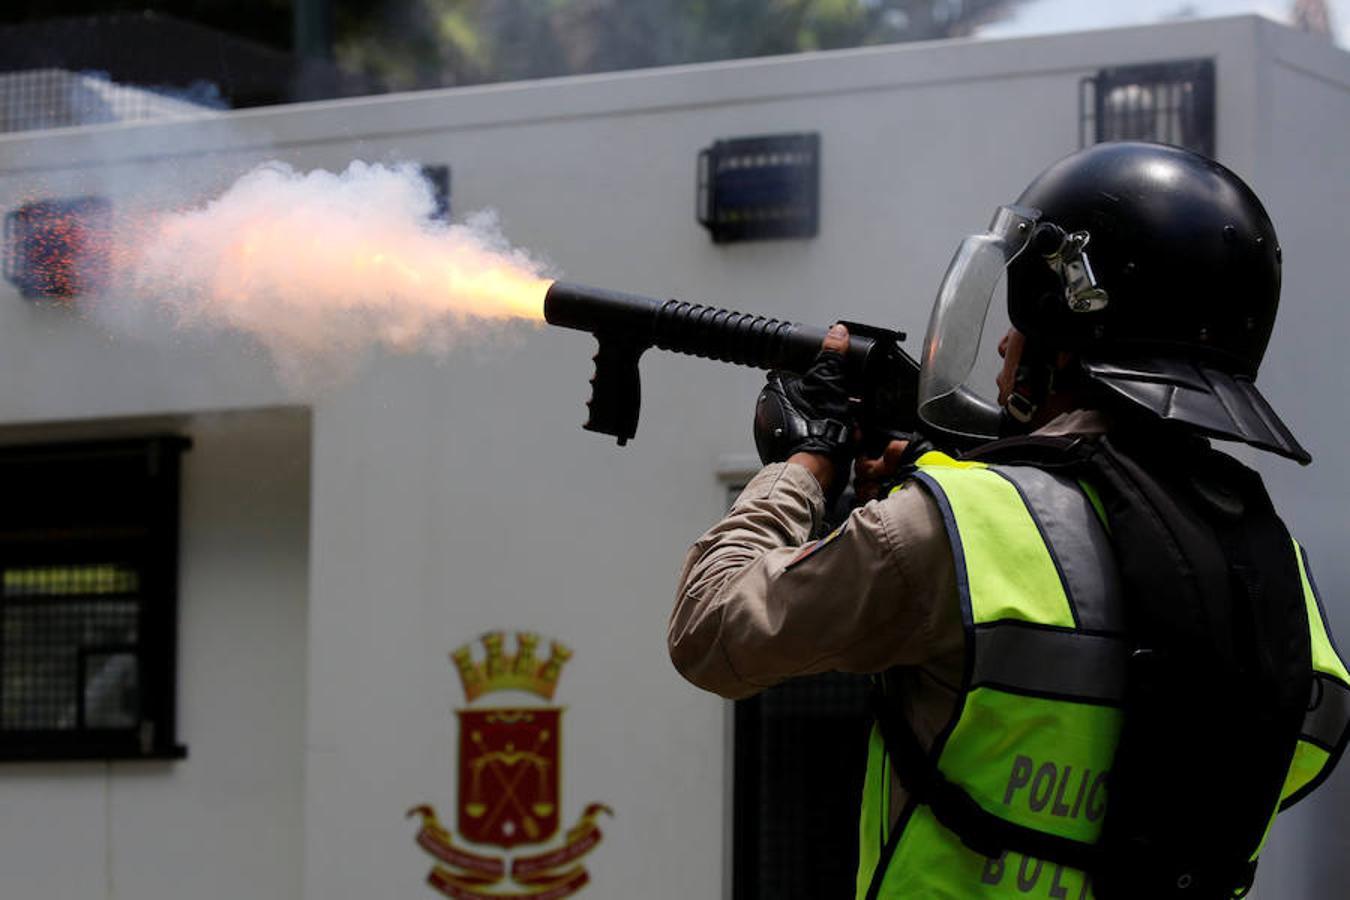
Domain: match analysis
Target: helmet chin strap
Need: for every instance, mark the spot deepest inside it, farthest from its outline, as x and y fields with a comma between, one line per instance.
x=1033, y=381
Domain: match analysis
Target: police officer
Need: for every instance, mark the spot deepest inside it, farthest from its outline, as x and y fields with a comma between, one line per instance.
x=1101, y=663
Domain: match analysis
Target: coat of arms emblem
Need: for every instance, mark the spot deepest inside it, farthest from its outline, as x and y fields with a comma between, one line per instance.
x=509, y=784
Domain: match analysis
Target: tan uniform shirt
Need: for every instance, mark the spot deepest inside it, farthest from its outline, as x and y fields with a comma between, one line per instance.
x=757, y=605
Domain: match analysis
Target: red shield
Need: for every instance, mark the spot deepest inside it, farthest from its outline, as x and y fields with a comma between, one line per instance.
x=508, y=775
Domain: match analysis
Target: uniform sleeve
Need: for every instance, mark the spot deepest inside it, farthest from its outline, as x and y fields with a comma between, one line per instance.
x=759, y=602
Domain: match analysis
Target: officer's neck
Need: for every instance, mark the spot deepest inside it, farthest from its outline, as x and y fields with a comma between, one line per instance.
x=1056, y=404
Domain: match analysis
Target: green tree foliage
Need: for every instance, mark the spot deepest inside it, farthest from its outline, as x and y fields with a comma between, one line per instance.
x=424, y=43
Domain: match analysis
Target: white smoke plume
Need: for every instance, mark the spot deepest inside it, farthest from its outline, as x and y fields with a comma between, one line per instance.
x=321, y=268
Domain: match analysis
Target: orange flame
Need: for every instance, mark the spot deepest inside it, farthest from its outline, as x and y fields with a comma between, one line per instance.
x=345, y=271
x=318, y=262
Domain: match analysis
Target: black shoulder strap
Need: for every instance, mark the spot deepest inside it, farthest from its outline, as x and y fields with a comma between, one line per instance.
x=1218, y=680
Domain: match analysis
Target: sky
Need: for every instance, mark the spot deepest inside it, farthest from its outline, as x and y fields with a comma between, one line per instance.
x=1046, y=16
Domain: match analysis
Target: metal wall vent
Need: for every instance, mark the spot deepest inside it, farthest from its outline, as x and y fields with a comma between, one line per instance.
x=58, y=249
x=760, y=188
x=439, y=178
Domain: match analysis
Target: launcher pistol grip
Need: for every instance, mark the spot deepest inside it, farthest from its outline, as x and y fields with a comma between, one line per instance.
x=616, y=386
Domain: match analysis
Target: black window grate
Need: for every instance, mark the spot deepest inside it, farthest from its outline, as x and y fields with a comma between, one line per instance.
x=760, y=188
x=1168, y=103
x=801, y=754
x=88, y=600
x=58, y=249
x=69, y=643
x=438, y=177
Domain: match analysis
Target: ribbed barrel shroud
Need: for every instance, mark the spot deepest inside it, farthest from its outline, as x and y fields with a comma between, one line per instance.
x=694, y=329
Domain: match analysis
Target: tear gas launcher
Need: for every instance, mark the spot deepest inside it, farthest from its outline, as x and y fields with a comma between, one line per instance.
x=882, y=378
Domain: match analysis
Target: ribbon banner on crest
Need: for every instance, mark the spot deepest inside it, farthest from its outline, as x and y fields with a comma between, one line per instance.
x=465, y=875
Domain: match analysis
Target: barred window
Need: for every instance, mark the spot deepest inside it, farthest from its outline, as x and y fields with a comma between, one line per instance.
x=1168, y=102
x=88, y=600
x=800, y=758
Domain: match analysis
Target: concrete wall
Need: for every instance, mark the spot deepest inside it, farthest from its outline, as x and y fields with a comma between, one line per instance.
x=450, y=497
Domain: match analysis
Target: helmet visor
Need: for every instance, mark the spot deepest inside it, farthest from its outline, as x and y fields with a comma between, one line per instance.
x=947, y=402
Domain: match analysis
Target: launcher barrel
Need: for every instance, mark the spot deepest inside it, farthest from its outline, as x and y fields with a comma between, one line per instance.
x=627, y=324
x=743, y=339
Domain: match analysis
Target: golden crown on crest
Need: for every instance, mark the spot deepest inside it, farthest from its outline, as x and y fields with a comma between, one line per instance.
x=499, y=672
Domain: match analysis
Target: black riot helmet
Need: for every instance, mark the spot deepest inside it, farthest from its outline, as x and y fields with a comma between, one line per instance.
x=1161, y=269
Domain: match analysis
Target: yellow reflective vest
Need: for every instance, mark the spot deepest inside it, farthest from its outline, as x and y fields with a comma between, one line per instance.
x=1039, y=715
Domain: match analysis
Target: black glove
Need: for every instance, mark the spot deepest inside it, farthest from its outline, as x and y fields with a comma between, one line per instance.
x=809, y=414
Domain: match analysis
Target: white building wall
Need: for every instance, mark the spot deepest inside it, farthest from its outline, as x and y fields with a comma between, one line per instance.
x=226, y=821
x=1304, y=104
x=453, y=497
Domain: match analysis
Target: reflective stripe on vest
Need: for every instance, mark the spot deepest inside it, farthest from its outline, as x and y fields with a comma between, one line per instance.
x=1326, y=725
x=1038, y=718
